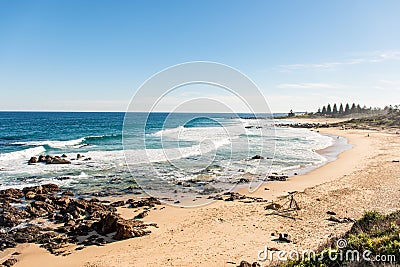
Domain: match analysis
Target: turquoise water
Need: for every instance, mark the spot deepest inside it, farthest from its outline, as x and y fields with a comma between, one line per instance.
x=212, y=151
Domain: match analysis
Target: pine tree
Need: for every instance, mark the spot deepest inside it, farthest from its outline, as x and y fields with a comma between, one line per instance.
x=341, y=109
x=319, y=111
x=353, y=108
x=358, y=108
x=335, y=111
x=329, y=110
x=323, y=110
x=347, y=109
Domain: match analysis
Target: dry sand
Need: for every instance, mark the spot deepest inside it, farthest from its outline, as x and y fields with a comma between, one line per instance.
x=362, y=178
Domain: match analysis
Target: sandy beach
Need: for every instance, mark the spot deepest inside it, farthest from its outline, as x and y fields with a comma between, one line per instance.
x=225, y=233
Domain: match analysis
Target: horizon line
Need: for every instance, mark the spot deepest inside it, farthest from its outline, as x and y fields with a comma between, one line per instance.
x=114, y=111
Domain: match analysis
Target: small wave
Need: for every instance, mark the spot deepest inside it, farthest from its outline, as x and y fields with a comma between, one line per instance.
x=52, y=144
x=26, y=153
x=103, y=137
x=168, y=131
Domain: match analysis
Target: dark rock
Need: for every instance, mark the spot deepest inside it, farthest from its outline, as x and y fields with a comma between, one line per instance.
x=118, y=203
x=331, y=212
x=129, y=228
x=146, y=202
x=35, y=189
x=142, y=214
x=244, y=264
x=64, y=156
x=30, y=195
x=10, y=216
x=9, y=262
x=339, y=220
x=284, y=238
x=49, y=188
x=42, y=158
x=231, y=196
x=41, y=205
x=11, y=193
x=396, y=160
x=243, y=180
x=278, y=177
x=58, y=161
x=63, y=201
x=257, y=157
x=78, y=156
x=32, y=160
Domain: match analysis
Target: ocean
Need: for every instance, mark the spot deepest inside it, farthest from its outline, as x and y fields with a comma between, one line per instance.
x=179, y=153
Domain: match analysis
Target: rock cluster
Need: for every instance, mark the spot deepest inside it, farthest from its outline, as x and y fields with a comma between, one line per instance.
x=49, y=159
x=247, y=264
x=73, y=218
x=232, y=196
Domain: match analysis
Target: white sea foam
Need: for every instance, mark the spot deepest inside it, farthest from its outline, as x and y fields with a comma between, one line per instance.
x=22, y=154
x=168, y=131
x=53, y=143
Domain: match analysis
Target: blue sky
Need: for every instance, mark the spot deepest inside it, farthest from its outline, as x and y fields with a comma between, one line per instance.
x=93, y=55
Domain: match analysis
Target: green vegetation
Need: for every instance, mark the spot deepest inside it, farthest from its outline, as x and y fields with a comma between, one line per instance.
x=374, y=232
x=389, y=117
x=335, y=112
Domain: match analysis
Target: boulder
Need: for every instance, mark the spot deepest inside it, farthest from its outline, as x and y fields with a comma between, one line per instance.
x=30, y=195
x=123, y=229
x=129, y=228
x=11, y=193
x=35, y=189
x=11, y=216
x=49, y=188
x=244, y=264
x=41, y=205
x=9, y=262
x=118, y=203
x=63, y=201
x=285, y=238
x=33, y=160
x=146, y=202
x=257, y=157
x=107, y=224
x=243, y=180
x=142, y=214
x=58, y=160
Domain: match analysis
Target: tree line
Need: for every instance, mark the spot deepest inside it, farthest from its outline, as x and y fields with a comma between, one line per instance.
x=340, y=110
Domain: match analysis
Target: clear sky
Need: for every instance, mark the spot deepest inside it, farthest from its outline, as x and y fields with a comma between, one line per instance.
x=93, y=55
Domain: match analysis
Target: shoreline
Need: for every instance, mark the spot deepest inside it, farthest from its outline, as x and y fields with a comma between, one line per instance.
x=225, y=232
x=311, y=178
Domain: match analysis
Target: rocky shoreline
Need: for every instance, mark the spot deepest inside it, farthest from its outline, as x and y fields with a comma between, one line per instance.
x=61, y=223
x=54, y=219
